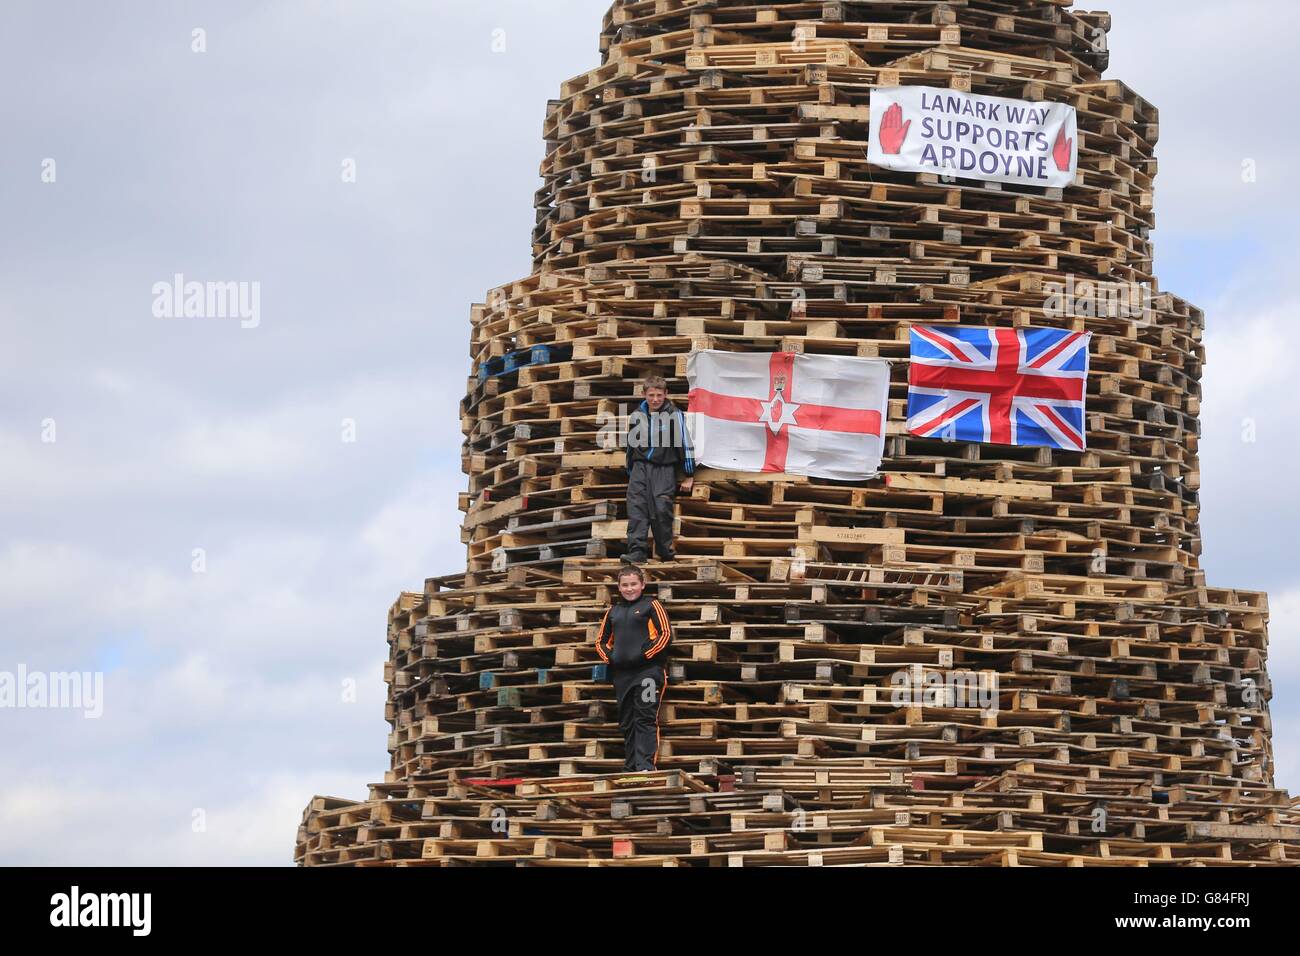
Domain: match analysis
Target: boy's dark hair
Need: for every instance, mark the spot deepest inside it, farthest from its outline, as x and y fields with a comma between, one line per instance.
x=653, y=381
x=631, y=569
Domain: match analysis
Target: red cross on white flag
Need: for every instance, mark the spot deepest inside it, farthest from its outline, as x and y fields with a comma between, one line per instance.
x=816, y=415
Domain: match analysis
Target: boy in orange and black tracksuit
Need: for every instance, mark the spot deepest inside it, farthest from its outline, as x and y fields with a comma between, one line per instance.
x=633, y=639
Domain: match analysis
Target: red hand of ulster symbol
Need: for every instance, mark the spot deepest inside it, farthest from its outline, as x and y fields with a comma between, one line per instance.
x=893, y=130
x=1063, y=151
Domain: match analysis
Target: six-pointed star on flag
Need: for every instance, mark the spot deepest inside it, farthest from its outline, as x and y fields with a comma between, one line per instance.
x=778, y=413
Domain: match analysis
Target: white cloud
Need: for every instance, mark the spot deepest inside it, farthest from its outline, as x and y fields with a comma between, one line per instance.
x=40, y=574
x=1284, y=639
x=1245, y=362
x=241, y=449
x=113, y=381
x=79, y=821
x=1165, y=49
x=1286, y=753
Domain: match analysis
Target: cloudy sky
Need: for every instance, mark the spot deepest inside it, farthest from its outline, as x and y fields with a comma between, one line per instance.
x=180, y=507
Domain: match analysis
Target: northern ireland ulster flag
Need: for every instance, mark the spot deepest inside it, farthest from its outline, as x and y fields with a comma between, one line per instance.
x=816, y=415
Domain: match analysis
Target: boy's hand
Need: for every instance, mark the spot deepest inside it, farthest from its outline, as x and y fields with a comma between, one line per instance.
x=688, y=484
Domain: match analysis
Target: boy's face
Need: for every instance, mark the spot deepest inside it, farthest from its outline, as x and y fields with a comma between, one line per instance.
x=655, y=398
x=630, y=586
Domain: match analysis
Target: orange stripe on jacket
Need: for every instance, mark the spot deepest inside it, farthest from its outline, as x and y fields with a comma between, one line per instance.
x=663, y=615
x=663, y=638
x=600, y=634
x=667, y=628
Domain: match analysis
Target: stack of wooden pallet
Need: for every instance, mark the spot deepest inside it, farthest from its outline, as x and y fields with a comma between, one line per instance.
x=707, y=187
x=810, y=813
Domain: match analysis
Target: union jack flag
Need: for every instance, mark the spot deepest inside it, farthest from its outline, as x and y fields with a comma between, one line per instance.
x=1001, y=386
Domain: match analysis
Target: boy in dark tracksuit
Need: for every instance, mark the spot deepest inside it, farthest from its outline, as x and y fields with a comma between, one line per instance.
x=633, y=638
x=659, y=456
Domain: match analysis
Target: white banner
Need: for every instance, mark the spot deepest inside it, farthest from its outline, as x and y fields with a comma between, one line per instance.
x=817, y=415
x=924, y=129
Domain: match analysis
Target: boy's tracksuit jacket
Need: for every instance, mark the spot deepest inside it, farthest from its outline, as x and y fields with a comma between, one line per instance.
x=667, y=441
x=633, y=639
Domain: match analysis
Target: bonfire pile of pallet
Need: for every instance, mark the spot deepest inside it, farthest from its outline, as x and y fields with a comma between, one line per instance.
x=707, y=188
